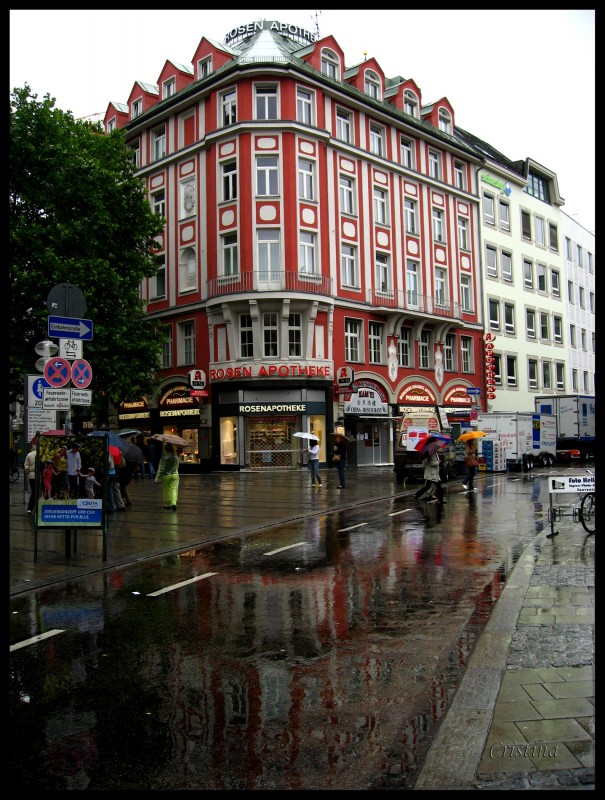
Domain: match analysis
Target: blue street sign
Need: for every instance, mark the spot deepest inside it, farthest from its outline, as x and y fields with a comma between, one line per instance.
x=66, y=327
x=473, y=390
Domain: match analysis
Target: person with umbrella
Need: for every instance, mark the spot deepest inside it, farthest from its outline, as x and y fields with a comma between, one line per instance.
x=471, y=460
x=431, y=463
x=313, y=451
x=339, y=457
x=168, y=475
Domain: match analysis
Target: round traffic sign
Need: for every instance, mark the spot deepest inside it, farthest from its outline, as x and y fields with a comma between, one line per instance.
x=81, y=373
x=57, y=372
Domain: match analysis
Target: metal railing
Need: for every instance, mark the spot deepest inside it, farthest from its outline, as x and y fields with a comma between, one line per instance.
x=259, y=281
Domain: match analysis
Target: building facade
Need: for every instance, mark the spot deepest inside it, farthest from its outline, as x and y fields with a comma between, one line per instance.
x=324, y=226
x=317, y=218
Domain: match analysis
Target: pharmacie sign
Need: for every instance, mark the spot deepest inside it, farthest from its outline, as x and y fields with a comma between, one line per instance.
x=178, y=402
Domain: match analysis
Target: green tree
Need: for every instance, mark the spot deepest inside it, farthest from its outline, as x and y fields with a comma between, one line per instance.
x=78, y=214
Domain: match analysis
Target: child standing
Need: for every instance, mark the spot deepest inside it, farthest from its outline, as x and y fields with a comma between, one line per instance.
x=48, y=475
x=91, y=483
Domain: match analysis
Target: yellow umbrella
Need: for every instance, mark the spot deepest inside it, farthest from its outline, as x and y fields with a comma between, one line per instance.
x=471, y=435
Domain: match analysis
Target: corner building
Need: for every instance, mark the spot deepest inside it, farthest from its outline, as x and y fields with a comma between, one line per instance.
x=318, y=218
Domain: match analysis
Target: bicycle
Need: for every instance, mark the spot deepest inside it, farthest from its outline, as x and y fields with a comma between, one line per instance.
x=13, y=473
x=587, y=512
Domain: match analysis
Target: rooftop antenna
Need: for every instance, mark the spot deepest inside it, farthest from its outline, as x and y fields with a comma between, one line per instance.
x=314, y=16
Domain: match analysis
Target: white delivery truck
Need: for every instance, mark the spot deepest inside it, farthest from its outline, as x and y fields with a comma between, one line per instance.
x=529, y=439
x=576, y=430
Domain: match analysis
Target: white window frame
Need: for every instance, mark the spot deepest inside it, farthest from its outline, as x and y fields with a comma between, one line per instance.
x=136, y=108
x=410, y=103
x=528, y=273
x=344, y=126
x=409, y=213
x=463, y=239
x=441, y=286
x=425, y=350
x=506, y=266
x=406, y=152
x=305, y=106
x=168, y=88
x=438, y=225
x=158, y=282
x=405, y=347
x=546, y=375
x=509, y=319
x=375, y=342
x=230, y=255
x=449, y=352
x=555, y=283
x=186, y=343
x=294, y=335
x=266, y=102
x=539, y=231
x=306, y=179
x=466, y=293
x=353, y=340
x=307, y=243
x=434, y=159
x=380, y=206
x=489, y=211
x=376, y=140
x=246, y=336
x=228, y=107
x=559, y=376
x=268, y=243
x=348, y=266
x=347, y=194
x=229, y=181
x=330, y=64
x=158, y=203
x=204, y=67
x=493, y=314
x=511, y=372
x=557, y=329
x=267, y=176
x=544, y=326
x=372, y=85
x=412, y=283
x=504, y=215
x=444, y=120
x=382, y=273
x=159, y=143
x=541, y=277
x=532, y=373
x=459, y=175
x=167, y=347
x=270, y=334
x=530, y=323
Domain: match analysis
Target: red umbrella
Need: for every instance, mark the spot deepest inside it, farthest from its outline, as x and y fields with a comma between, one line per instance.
x=442, y=438
x=49, y=433
x=432, y=447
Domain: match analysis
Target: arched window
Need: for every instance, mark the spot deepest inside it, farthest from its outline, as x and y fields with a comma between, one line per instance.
x=372, y=85
x=410, y=103
x=445, y=121
x=330, y=64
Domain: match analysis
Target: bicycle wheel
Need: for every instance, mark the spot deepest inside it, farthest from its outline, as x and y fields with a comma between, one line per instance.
x=587, y=513
x=14, y=474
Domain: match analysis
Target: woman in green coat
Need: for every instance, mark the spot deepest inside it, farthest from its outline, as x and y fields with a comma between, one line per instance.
x=168, y=475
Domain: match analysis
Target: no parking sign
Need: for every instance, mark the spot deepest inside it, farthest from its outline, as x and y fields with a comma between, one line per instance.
x=81, y=373
x=57, y=372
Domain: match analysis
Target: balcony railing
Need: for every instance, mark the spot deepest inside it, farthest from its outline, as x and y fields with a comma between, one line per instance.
x=270, y=282
x=414, y=301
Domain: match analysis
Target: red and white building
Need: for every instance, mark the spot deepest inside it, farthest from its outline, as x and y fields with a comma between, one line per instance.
x=319, y=219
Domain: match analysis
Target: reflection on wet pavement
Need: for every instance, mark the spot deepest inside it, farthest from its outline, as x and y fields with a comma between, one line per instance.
x=324, y=665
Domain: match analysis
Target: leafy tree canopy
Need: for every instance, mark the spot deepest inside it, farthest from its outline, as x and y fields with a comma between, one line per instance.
x=79, y=215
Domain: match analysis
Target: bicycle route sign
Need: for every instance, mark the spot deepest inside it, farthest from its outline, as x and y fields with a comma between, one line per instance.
x=571, y=483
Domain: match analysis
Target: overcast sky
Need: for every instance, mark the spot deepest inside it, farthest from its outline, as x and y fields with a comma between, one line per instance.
x=524, y=81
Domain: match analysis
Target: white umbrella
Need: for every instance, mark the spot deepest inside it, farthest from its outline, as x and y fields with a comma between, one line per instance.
x=171, y=438
x=302, y=435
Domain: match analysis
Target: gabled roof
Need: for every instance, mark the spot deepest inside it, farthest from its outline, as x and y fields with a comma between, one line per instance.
x=486, y=150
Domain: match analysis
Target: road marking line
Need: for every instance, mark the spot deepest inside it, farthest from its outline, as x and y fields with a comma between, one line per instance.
x=281, y=549
x=183, y=583
x=403, y=511
x=35, y=639
x=352, y=528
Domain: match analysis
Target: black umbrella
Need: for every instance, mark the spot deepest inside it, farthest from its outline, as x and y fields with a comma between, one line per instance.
x=130, y=451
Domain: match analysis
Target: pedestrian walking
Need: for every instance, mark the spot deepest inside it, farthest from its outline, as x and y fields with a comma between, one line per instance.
x=432, y=479
x=168, y=475
x=126, y=473
x=74, y=465
x=114, y=496
x=155, y=452
x=339, y=457
x=147, y=464
x=48, y=477
x=313, y=450
x=471, y=462
x=30, y=466
x=91, y=483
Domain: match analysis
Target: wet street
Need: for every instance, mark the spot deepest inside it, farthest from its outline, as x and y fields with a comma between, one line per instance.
x=318, y=654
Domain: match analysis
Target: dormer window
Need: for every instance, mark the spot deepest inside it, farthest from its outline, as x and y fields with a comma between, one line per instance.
x=136, y=109
x=410, y=103
x=111, y=125
x=169, y=88
x=445, y=121
x=204, y=67
x=330, y=64
x=372, y=86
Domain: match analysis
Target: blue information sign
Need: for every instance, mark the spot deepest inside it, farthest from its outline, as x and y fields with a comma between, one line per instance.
x=69, y=327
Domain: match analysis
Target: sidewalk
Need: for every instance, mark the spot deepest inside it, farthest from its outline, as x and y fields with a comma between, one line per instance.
x=523, y=716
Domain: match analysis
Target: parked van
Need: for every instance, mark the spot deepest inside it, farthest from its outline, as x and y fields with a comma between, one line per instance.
x=414, y=424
